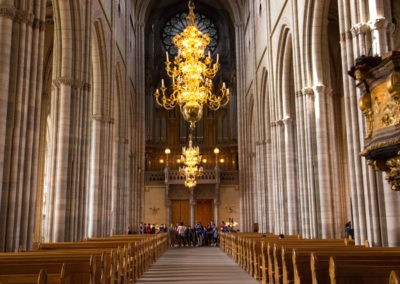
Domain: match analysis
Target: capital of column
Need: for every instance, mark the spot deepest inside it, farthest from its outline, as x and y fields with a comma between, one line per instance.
x=299, y=94
x=262, y=142
x=345, y=36
x=378, y=24
x=308, y=91
x=8, y=11
x=71, y=82
x=287, y=120
x=321, y=89
x=121, y=140
x=102, y=118
x=24, y=17
x=360, y=28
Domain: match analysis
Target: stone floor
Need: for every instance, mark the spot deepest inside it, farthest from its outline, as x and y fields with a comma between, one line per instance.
x=207, y=265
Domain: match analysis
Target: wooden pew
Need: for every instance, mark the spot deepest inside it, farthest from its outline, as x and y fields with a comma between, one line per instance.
x=283, y=269
x=41, y=278
x=320, y=260
x=77, y=268
x=394, y=277
x=365, y=270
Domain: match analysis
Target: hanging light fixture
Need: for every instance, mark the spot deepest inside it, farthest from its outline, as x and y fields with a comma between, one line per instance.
x=192, y=72
x=191, y=159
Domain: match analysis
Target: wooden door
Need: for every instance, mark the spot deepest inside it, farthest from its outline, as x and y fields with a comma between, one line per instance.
x=180, y=211
x=204, y=211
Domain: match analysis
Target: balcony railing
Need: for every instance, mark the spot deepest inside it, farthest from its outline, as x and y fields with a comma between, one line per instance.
x=208, y=177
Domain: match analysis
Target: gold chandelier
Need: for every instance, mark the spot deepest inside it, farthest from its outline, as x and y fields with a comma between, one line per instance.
x=191, y=159
x=192, y=73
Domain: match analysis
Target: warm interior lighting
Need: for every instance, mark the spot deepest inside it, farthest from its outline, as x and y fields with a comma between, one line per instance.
x=216, y=151
x=191, y=159
x=222, y=160
x=191, y=72
x=161, y=161
x=167, y=151
x=204, y=161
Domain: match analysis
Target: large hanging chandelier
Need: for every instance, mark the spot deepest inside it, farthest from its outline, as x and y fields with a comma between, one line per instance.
x=192, y=72
x=191, y=168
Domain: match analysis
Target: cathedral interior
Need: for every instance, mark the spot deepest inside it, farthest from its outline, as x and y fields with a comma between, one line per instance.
x=308, y=140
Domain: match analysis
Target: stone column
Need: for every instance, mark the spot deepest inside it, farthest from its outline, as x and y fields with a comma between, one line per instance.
x=192, y=203
x=217, y=199
x=21, y=59
x=291, y=178
x=392, y=200
x=168, y=211
x=97, y=185
x=324, y=174
x=311, y=199
x=241, y=120
x=7, y=14
x=379, y=35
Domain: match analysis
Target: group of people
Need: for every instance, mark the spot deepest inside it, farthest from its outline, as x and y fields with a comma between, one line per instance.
x=148, y=229
x=182, y=235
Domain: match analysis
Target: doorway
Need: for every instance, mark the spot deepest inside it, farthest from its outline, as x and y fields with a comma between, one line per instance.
x=204, y=211
x=180, y=211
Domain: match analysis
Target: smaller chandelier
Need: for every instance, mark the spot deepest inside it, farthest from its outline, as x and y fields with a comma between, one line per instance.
x=191, y=159
x=192, y=72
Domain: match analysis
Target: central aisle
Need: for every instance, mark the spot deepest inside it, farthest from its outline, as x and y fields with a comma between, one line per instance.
x=196, y=265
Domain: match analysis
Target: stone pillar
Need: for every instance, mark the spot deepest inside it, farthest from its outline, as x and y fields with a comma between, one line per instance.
x=168, y=211
x=392, y=200
x=217, y=201
x=22, y=37
x=291, y=178
x=324, y=174
x=192, y=203
x=7, y=14
x=97, y=185
x=379, y=35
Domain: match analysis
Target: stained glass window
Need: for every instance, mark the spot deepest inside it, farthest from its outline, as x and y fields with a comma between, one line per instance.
x=177, y=24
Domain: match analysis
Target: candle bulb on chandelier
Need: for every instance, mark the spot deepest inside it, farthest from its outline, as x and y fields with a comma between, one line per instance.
x=166, y=53
x=217, y=58
x=162, y=82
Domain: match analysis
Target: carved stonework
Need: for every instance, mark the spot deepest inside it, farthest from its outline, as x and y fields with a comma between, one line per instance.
x=379, y=81
x=378, y=24
x=71, y=82
x=8, y=12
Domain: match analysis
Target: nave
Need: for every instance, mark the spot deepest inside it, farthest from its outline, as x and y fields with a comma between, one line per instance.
x=196, y=265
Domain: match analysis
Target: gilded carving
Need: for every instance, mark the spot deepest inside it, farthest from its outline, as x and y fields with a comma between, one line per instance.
x=391, y=115
x=393, y=175
x=393, y=85
x=365, y=106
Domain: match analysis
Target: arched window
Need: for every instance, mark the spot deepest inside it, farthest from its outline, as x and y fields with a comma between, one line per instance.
x=177, y=24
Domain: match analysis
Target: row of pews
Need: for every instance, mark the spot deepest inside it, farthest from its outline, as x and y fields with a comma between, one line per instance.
x=295, y=260
x=116, y=259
